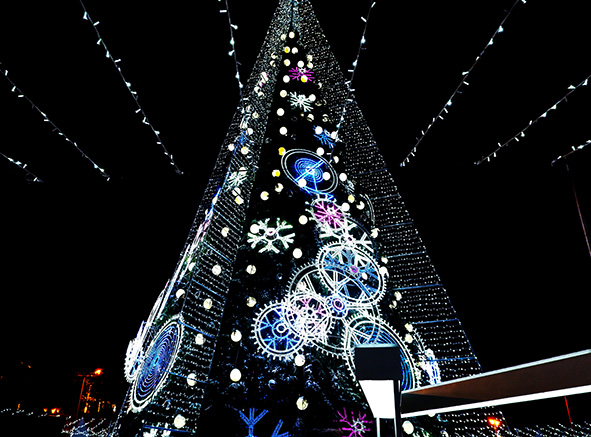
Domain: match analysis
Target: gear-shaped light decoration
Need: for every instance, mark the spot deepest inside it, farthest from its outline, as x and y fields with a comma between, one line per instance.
x=270, y=238
x=134, y=357
x=351, y=273
x=308, y=315
x=274, y=334
x=350, y=233
x=367, y=329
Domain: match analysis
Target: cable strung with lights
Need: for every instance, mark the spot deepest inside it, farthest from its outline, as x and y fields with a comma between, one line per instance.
x=521, y=134
x=54, y=127
x=30, y=175
x=232, y=52
x=462, y=83
x=140, y=110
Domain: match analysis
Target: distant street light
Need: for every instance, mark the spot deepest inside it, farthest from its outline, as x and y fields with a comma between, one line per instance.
x=379, y=372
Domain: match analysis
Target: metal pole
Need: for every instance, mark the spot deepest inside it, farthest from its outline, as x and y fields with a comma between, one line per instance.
x=378, y=427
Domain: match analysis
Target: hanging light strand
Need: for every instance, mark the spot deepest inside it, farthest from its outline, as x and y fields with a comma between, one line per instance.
x=232, y=52
x=352, y=70
x=521, y=134
x=462, y=84
x=30, y=175
x=574, y=149
x=46, y=119
x=140, y=110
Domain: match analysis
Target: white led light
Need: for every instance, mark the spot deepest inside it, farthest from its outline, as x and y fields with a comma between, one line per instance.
x=179, y=421
x=235, y=375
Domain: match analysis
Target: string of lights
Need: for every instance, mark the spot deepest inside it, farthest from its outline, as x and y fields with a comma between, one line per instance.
x=54, y=127
x=232, y=52
x=574, y=149
x=23, y=166
x=462, y=83
x=139, y=110
x=521, y=134
x=352, y=70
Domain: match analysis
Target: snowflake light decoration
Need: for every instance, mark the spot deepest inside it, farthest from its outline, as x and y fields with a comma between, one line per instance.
x=324, y=136
x=271, y=238
x=301, y=74
x=357, y=425
x=300, y=101
x=236, y=178
x=251, y=421
x=329, y=214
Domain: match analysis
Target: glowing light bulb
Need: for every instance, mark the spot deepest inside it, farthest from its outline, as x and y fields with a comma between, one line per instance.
x=235, y=375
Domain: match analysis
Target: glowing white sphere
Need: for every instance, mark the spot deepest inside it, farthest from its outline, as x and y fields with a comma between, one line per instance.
x=302, y=403
x=199, y=339
x=191, y=380
x=297, y=253
x=236, y=336
x=299, y=360
x=179, y=421
x=235, y=375
x=408, y=427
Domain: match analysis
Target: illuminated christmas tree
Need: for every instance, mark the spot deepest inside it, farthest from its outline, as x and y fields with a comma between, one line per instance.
x=301, y=249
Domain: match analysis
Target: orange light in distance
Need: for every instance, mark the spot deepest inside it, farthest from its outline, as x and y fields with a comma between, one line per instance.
x=494, y=422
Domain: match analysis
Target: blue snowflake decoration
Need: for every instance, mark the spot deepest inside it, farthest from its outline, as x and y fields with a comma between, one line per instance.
x=252, y=419
x=324, y=137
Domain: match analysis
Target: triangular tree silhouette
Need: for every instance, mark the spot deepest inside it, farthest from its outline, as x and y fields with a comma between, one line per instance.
x=301, y=249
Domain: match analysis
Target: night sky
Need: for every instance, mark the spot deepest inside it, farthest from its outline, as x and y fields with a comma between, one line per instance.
x=85, y=258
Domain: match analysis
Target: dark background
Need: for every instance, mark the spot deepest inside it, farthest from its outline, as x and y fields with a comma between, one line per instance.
x=85, y=258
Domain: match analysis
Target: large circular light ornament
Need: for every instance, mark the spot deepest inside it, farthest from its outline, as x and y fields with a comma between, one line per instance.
x=235, y=375
x=351, y=273
x=307, y=170
x=156, y=366
x=274, y=334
